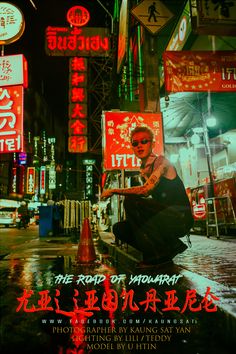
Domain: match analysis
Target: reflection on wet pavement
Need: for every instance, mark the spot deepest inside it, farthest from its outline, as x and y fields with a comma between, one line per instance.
x=108, y=326
x=52, y=304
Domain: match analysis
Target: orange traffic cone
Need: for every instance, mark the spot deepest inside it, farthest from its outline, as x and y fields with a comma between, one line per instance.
x=86, y=251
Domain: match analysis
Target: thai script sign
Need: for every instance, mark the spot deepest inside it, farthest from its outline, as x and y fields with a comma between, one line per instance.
x=117, y=149
x=11, y=119
x=66, y=41
x=200, y=71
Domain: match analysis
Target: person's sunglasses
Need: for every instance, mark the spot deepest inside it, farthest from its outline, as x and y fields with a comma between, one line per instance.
x=143, y=142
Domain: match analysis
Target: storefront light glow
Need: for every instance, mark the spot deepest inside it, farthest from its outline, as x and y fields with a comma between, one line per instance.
x=211, y=122
x=195, y=139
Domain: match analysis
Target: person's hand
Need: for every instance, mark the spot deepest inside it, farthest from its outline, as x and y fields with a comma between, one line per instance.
x=107, y=193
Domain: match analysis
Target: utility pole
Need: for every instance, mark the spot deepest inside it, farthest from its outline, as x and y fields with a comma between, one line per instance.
x=151, y=74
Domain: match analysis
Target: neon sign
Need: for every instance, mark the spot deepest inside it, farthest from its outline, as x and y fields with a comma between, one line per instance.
x=30, y=180
x=78, y=16
x=63, y=41
x=77, y=124
x=11, y=119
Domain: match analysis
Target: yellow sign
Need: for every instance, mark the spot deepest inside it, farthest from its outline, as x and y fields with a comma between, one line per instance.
x=153, y=15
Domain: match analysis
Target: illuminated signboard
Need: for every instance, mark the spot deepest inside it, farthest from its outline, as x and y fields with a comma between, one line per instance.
x=123, y=34
x=78, y=16
x=12, y=23
x=182, y=31
x=14, y=180
x=200, y=71
x=42, y=186
x=89, y=181
x=77, y=144
x=11, y=119
x=77, y=127
x=117, y=149
x=214, y=17
x=22, y=158
x=77, y=124
x=63, y=41
x=13, y=70
x=89, y=163
x=52, y=177
x=30, y=184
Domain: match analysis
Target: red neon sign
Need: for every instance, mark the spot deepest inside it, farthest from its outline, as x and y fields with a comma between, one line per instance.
x=78, y=16
x=30, y=180
x=78, y=64
x=11, y=119
x=63, y=41
x=77, y=110
x=77, y=144
x=77, y=79
x=77, y=125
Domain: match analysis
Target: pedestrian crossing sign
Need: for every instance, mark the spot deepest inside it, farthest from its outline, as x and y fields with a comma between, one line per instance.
x=152, y=14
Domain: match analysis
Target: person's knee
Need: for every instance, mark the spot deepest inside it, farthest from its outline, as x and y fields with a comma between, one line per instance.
x=116, y=228
x=128, y=202
x=123, y=232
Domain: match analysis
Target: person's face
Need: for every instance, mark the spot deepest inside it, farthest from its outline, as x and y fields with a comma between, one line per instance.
x=142, y=145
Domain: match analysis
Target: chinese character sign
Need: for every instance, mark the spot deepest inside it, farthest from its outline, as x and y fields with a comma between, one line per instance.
x=30, y=187
x=77, y=124
x=200, y=71
x=11, y=119
x=42, y=186
x=117, y=149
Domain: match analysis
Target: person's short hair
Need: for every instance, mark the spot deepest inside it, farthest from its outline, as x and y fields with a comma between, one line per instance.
x=142, y=129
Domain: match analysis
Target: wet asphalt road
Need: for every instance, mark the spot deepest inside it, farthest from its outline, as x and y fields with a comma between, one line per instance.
x=41, y=285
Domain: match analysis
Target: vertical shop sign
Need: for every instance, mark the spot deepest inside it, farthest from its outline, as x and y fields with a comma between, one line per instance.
x=42, y=186
x=52, y=177
x=123, y=34
x=14, y=180
x=30, y=180
x=77, y=124
x=117, y=149
x=182, y=30
x=11, y=119
x=88, y=177
x=75, y=41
